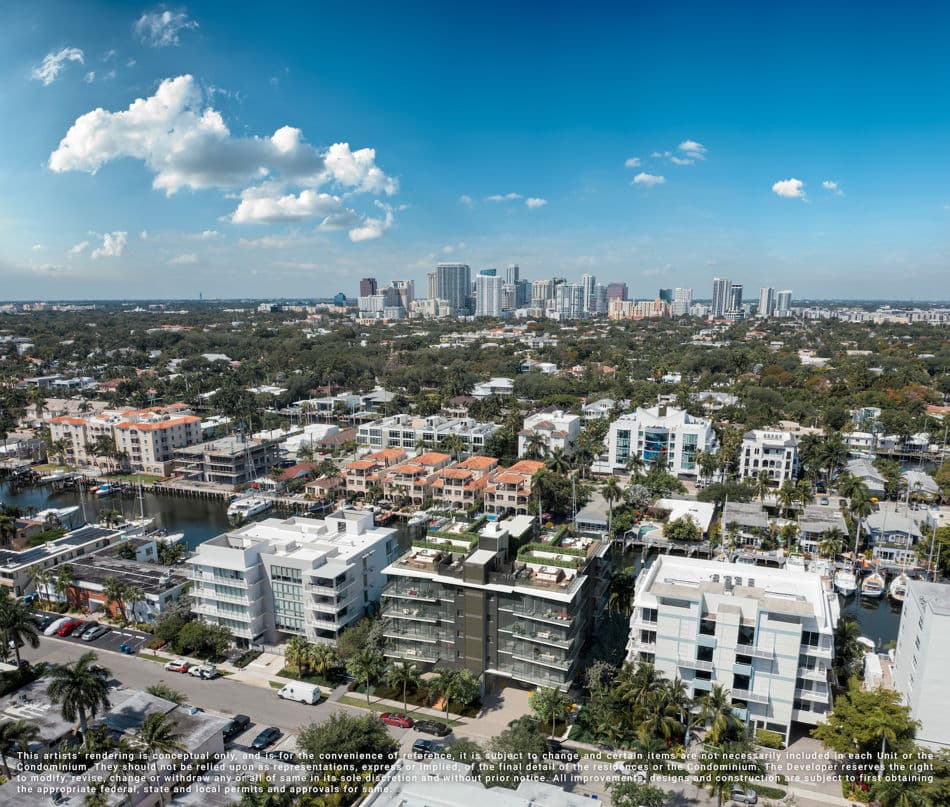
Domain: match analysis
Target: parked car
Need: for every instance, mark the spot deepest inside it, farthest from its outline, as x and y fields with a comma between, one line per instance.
x=178, y=665
x=87, y=625
x=424, y=748
x=204, y=671
x=95, y=632
x=432, y=727
x=68, y=627
x=630, y=771
x=43, y=621
x=238, y=725
x=743, y=795
x=397, y=719
x=282, y=756
x=299, y=691
x=55, y=625
x=823, y=500
x=562, y=754
x=267, y=737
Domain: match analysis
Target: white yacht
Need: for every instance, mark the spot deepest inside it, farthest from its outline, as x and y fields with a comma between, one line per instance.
x=846, y=582
x=822, y=567
x=898, y=588
x=873, y=586
x=241, y=509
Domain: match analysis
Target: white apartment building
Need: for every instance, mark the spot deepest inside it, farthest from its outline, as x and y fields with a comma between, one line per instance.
x=276, y=578
x=556, y=429
x=764, y=634
x=494, y=386
x=661, y=434
x=407, y=431
x=682, y=302
x=147, y=437
x=488, y=290
x=775, y=452
x=922, y=659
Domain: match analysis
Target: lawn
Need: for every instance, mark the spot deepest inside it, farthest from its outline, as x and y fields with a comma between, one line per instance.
x=360, y=703
x=145, y=479
x=292, y=672
x=154, y=657
x=418, y=697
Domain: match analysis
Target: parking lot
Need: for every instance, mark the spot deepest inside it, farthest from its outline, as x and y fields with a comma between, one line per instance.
x=110, y=641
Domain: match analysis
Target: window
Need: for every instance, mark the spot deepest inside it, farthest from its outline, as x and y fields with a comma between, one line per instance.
x=287, y=573
x=746, y=635
x=649, y=614
x=707, y=627
x=703, y=675
x=743, y=659
x=705, y=653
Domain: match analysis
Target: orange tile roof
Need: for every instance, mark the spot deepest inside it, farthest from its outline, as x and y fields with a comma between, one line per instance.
x=456, y=473
x=162, y=424
x=431, y=458
x=530, y=467
x=394, y=454
x=69, y=420
x=361, y=465
x=479, y=463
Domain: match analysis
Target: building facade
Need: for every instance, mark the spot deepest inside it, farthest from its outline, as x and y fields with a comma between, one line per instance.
x=553, y=430
x=274, y=579
x=501, y=617
x=408, y=431
x=922, y=659
x=772, y=451
x=764, y=634
x=231, y=461
x=454, y=283
x=659, y=434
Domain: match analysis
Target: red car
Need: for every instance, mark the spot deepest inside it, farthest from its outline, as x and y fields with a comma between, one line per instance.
x=397, y=719
x=68, y=627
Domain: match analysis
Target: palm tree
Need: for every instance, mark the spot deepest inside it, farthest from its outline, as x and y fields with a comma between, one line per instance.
x=584, y=454
x=810, y=451
x=860, y=507
x=65, y=577
x=831, y=542
x=157, y=736
x=7, y=529
x=787, y=495
x=635, y=464
x=441, y=684
x=403, y=674
x=16, y=624
x=804, y=493
x=548, y=705
x=42, y=580
x=558, y=461
x=723, y=723
x=16, y=735
x=762, y=484
x=636, y=684
x=323, y=658
x=133, y=594
x=366, y=665
x=115, y=592
x=834, y=454
x=80, y=689
x=662, y=717
x=535, y=446
x=297, y=654
x=611, y=493
x=620, y=596
x=847, y=484
x=453, y=445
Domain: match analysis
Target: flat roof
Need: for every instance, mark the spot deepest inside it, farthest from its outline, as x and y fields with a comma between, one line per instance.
x=935, y=595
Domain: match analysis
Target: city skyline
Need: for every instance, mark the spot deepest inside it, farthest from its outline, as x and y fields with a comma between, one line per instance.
x=178, y=151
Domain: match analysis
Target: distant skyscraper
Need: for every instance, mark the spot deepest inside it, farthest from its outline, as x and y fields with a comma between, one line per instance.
x=541, y=292
x=432, y=285
x=453, y=283
x=682, y=301
x=522, y=293
x=368, y=287
x=600, y=300
x=588, y=282
x=488, y=294
x=512, y=273
x=616, y=291
x=406, y=290
x=509, y=297
x=720, y=296
x=783, y=303
x=735, y=297
x=766, y=301
x=569, y=298
x=666, y=295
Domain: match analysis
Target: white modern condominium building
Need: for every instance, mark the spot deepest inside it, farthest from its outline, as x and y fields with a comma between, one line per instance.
x=659, y=434
x=553, y=429
x=923, y=658
x=295, y=577
x=764, y=634
x=775, y=452
x=408, y=431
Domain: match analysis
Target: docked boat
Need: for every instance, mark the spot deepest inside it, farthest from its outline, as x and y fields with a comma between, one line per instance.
x=897, y=590
x=167, y=537
x=822, y=567
x=242, y=509
x=56, y=476
x=873, y=586
x=845, y=582
x=867, y=644
x=795, y=562
x=105, y=490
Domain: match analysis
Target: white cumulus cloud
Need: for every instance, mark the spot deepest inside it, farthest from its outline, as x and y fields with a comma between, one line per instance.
x=503, y=197
x=373, y=227
x=185, y=259
x=79, y=248
x=789, y=188
x=54, y=63
x=534, y=202
x=162, y=28
x=833, y=187
x=631, y=162
x=650, y=180
x=693, y=149
x=113, y=245
x=465, y=199
x=186, y=144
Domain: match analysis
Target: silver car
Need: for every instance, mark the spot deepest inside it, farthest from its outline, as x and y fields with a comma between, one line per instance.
x=95, y=632
x=741, y=795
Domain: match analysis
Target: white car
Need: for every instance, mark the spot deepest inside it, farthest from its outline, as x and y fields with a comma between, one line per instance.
x=630, y=771
x=205, y=671
x=56, y=625
x=178, y=665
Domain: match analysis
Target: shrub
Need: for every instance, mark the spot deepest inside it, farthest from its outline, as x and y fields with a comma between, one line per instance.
x=766, y=791
x=768, y=739
x=246, y=658
x=166, y=692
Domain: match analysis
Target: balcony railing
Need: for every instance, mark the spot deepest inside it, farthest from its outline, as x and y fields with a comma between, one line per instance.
x=551, y=616
x=812, y=695
x=541, y=637
x=422, y=593
x=755, y=652
x=542, y=659
x=820, y=674
x=412, y=614
x=696, y=664
x=747, y=695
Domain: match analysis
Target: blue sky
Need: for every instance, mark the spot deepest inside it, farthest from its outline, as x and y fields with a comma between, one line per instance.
x=291, y=149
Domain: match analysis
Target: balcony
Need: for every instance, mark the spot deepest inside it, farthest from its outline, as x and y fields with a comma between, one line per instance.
x=412, y=614
x=820, y=696
x=419, y=654
x=552, y=616
x=696, y=664
x=820, y=674
x=755, y=652
x=421, y=593
x=742, y=669
x=542, y=659
x=534, y=676
x=750, y=697
x=541, y=637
